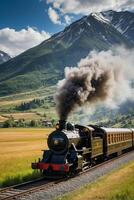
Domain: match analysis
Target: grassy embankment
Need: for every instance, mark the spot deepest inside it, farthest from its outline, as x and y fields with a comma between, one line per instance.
x=18, y=148
x=117, y=185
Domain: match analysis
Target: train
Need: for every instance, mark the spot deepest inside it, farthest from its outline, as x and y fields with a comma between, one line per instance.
x=74, y=148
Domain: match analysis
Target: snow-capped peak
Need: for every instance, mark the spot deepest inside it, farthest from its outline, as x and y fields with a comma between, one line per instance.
x=4, y=57
x=1, y=54
x=108, y=15
x=123, y=21
x=100, y=17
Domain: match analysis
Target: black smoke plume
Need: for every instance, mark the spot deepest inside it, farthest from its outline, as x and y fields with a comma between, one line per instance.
x=99, y=78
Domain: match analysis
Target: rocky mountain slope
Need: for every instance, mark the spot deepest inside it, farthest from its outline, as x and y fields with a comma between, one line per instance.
x=122, y=21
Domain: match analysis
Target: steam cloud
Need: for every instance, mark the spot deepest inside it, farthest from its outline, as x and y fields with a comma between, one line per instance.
x=100, y=78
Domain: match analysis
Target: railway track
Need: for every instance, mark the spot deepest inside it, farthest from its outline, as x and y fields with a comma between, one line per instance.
x=37, y=185
x=103, y=163
x=15, y=191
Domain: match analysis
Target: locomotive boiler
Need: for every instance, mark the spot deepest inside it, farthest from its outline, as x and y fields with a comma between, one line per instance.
x=73, y=148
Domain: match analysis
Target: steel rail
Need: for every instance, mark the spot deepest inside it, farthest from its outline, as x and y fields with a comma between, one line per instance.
x=13, y=192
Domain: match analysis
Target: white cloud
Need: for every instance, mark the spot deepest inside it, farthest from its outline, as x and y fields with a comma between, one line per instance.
x=88, y=6
x=67, y=19
x=15, y=42
x=53, y=15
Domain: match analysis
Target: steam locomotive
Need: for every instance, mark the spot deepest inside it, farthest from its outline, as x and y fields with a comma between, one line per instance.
x=73, y=148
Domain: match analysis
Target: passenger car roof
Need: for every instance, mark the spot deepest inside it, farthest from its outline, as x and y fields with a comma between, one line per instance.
x=115, y=130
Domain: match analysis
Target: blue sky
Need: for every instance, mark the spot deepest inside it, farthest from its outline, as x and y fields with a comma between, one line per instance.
x=20, y=14
x=26, y=23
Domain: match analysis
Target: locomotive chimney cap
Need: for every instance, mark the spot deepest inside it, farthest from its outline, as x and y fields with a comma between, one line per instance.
x=61, y=125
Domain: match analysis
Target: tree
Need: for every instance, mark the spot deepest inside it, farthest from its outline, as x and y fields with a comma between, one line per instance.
x=8, y=123
x=33, y=123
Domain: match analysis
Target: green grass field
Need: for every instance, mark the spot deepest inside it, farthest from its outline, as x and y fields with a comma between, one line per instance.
x=118, y=185
x=18, y=148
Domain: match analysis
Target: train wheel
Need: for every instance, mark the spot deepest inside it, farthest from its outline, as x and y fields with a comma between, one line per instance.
x=72, y=171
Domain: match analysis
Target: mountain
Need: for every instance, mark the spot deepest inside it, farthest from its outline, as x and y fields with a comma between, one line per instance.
x=44, y=64
x=4, y=57
x=122, y=21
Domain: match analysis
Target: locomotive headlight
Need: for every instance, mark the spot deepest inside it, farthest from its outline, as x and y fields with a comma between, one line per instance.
x=56, y=142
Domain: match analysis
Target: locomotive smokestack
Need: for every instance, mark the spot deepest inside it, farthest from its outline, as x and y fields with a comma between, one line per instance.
x=62, y=124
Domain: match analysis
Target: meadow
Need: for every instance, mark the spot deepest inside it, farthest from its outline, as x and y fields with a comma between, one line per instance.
x=117, y=185
x=10, y=106
x=25, y=116
x=18, y=149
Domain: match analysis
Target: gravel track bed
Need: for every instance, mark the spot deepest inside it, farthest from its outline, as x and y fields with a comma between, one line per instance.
x=79, y=181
